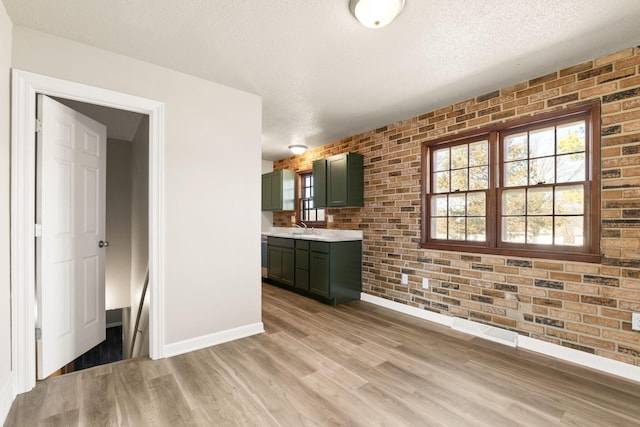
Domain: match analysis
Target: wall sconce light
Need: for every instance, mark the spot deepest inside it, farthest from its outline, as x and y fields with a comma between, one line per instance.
x=376, y=13
x=298, y=148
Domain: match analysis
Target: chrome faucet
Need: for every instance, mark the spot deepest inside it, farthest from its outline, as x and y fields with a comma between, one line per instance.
x=306, y=230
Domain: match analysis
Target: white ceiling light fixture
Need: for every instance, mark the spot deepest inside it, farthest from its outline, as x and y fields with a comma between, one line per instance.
x=298, y=148
x=376, y=13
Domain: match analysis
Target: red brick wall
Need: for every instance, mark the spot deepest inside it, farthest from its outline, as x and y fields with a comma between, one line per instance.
x=582, y=306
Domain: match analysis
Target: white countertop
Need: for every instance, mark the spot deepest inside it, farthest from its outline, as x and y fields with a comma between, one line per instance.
x=319, y=234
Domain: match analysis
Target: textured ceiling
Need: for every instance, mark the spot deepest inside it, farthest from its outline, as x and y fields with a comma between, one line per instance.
x=321, y=74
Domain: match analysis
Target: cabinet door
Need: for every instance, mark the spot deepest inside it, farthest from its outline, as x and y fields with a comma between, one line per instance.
x=288, y=267
x=267, y=178
x=320, y=183
x=337, y=181
x=274, y=262
x=319, y=273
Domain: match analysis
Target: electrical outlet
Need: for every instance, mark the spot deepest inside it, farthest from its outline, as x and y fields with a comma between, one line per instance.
x=293, y=219
x=405, y=279
x=329, y=218
x=635, y=321
x=425, y=283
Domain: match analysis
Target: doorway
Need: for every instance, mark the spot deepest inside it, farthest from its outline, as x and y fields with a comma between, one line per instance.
x=25, y=86
x=124, y=260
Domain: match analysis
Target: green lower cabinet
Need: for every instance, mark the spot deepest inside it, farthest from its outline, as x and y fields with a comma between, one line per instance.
x=302, y=265
x=328, y=271
x=321, y=274
x=281, y=260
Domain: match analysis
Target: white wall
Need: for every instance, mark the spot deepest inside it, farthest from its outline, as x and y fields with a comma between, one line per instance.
x=267, y=217
x=6, y=386
x=212, y=202
x=118, y=254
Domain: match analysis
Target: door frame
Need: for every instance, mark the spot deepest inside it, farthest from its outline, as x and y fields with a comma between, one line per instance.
x=25, y=85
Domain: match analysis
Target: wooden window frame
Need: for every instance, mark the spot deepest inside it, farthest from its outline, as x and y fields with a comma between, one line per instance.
x=588, y=252
x=300, y=189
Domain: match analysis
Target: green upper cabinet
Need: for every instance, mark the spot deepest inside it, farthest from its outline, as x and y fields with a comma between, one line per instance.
x=338, y=181
x=278, y=190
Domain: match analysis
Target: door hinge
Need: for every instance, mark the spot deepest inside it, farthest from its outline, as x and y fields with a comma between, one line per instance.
x=38, y=334
x=38, y=125
x=37, y=229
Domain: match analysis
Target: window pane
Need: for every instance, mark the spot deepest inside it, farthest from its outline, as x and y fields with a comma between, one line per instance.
x=312, y=215
x=320, y=213
x=539, y=229
x=542, y=142
x=540, y=201
x=541, y=171
x=477, y=229
x=457, y=229
x=476, y=205
x=459, y=156
x=441, y=182
x=515, y=147
x=479, y=178
x=513, y=229
x=459, y=180
x=479, y=153
x=515, y=173
x=307, y=193
x=571, y=137
x=569, y=231
x=572, y=167
x=439, y=206
x=513, y=202
x=439, y=228
x=457, y=205
x=441, y=162
x=569, y=200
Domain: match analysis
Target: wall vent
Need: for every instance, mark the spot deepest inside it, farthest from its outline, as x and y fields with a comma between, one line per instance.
x=490, y=333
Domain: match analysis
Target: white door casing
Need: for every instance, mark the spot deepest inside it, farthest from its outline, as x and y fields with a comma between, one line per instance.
x=70, y=210
x=25, y=86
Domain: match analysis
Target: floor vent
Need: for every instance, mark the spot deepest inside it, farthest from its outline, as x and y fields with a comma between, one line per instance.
x=490, y=333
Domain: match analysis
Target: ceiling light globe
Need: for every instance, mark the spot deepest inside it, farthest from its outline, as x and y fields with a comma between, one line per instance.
x=298, y=149
x=376, y=13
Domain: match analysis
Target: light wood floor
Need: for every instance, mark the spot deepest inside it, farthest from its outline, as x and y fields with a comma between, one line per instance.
x=356, y=364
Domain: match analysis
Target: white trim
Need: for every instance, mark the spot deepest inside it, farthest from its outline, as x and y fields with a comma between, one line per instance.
x=578, y=357
x=411, y=311
x=25, y=86
x=216, y=338
x=7, y=394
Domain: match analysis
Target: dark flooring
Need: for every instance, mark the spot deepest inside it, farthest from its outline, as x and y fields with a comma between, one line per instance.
x=108, y=351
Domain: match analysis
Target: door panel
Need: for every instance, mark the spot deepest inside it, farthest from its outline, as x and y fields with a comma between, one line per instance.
x=70, y=206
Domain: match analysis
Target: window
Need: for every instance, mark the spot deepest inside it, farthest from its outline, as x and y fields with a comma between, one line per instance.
x=307, y=212
x=528, y=188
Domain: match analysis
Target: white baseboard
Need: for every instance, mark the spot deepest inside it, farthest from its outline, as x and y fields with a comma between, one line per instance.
x=578, y=357
x=216, y=338
x=7, y=395
x=411, y=311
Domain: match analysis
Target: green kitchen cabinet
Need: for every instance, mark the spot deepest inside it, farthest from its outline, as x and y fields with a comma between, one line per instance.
x=321, y=268
x=339, y=181
x=335, y=270
x=328, y=271
x=278, y=190
x=302, y=265
x=281, y=260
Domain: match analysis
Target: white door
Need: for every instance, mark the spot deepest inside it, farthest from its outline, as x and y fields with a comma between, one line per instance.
x=70, y=208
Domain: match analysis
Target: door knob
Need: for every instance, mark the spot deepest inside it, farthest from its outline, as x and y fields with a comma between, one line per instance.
x=103, y=244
